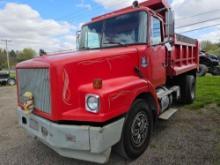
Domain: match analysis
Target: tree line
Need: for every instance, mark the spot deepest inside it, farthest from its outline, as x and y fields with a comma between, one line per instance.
x=15, y=57
x=211, y=48
x=28, y=53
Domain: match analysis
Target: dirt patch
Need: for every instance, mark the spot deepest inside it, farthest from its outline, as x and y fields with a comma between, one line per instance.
x=190, y=137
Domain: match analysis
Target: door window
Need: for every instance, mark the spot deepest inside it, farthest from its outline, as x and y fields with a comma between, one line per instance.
x=156, y=31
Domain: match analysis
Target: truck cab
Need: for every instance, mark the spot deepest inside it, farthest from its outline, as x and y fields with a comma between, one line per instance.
x=129, y=69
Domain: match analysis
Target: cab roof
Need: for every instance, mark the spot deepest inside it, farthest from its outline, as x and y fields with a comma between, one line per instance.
x=159, y=6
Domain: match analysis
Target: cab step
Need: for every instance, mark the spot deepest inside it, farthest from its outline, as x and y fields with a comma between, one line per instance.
x=167, y=114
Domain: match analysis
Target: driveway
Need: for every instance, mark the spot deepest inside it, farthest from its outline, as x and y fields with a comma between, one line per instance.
x=191, y=137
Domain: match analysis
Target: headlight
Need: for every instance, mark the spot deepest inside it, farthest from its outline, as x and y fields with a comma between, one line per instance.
x=92, y=103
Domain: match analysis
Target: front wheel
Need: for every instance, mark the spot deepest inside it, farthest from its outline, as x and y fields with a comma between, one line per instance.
x=137, y=131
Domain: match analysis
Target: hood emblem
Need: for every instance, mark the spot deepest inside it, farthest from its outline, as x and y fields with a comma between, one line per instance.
x=28, y=102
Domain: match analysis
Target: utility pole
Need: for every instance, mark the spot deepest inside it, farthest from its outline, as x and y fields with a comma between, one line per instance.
x=6, y=48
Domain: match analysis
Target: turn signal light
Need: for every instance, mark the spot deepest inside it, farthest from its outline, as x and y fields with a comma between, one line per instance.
x=97, y=84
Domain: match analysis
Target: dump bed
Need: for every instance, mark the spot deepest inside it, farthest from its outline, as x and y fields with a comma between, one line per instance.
x=184, y=57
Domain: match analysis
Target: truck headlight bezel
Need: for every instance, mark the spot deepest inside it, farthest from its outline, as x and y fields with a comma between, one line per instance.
x=92, y=103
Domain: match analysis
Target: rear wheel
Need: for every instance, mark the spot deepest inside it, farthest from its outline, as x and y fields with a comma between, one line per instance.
x=188, y=89
x=215, y=71
x=137, y=131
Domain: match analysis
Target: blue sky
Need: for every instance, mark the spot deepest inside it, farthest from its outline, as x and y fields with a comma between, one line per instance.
x=67, y=10
x=51, y=24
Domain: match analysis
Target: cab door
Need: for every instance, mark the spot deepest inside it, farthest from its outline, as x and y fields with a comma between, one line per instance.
x=157, y=52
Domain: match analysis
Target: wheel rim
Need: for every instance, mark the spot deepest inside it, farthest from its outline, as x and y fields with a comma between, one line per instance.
x=139, y=129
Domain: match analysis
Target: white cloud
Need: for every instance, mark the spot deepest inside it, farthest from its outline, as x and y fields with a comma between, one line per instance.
x=213, y=36
x=115, y=3
x=26, y=28
x=84, y=5
x=193, y=11
x=177, y=2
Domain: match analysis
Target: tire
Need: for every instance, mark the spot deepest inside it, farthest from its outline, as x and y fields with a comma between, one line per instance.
x=11, y=81
x=137, y=131
x=187, y=89
x=203, y=69
x=215, y=71
x=3, y=83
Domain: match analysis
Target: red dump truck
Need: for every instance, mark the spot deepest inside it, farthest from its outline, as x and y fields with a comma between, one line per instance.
x=129, y=70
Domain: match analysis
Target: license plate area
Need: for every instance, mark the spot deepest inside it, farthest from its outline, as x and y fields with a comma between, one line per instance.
x=34, y=124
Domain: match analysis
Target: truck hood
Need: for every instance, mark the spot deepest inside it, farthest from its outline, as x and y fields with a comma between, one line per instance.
x=72, y=57
x=70, y=72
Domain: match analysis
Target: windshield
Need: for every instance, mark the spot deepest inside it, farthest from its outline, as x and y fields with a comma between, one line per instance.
x=118, y=31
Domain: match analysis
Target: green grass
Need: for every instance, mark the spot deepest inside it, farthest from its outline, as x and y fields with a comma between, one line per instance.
x=208, y=92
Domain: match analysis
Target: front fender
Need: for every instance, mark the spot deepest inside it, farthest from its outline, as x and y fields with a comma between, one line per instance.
x=117, y=95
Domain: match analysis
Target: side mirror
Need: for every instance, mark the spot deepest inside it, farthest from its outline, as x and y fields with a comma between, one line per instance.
x=168, y=47
x=170, y=26
x=78, y=33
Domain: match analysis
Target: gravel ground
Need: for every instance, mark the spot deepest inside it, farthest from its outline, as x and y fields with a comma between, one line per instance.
x=189, y=138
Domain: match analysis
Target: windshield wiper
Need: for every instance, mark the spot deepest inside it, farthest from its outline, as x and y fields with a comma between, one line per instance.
x=115, y=43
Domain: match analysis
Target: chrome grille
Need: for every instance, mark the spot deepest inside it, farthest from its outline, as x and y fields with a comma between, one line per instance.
x=35, y=81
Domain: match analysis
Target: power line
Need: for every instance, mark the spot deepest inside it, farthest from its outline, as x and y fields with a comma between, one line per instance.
x=204, y=21
x=199, y=14
x=205, y=27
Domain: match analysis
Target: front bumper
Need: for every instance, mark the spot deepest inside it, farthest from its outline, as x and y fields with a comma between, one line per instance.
x=80, y=142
